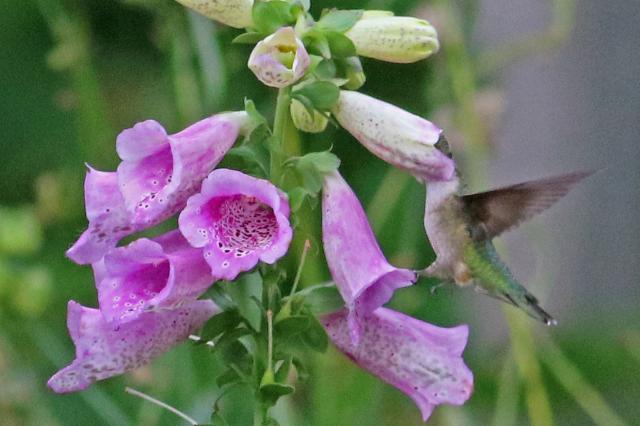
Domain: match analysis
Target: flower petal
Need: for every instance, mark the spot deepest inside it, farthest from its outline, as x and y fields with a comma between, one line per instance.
x=422, y=360
x=108, y=218
x=396, y=136
x=158, y=174
x=238, y=220
x=149, y=274
x=103, y=352
x=363, y=275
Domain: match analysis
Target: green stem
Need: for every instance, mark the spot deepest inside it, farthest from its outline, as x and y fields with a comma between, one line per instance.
x=280, y=122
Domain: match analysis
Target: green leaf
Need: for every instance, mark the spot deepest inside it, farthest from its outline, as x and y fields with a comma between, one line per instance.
x=270, y=421
x=322, y=94
x=341, y=46
x=248, y=38
x=254, y=114
x=283, y=372
x=229, y=338
x=253, y=153
x=268, y=16
x=218, y=324
x=322, y=298
x=241, y=292
x=315, y=336
x=326, y=69
x=297, y=196
x=313, y=166
x=317, y=43
x=340, y=20
x=273, y=391
x=291, y=326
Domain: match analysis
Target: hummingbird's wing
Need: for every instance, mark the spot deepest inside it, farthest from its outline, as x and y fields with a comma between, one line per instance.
x=494, y=212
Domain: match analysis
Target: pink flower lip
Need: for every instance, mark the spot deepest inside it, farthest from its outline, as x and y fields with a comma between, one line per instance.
x=237, y=220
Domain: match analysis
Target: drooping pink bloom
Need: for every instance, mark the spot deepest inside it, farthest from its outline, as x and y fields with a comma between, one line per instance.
x=149, y=275
x=108, y=218
x=157, y=174
x=237, y=220
x=280, y=59
x=362, y=274
x=398, y=137
x=422, y=360
x=102, y=351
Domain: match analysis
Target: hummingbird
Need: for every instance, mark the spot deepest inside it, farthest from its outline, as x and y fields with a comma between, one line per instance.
x=461, y=229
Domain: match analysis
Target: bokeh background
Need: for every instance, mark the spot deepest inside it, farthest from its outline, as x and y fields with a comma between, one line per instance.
x=523, y=89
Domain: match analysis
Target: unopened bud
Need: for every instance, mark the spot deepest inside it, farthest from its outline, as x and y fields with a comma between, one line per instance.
x=399, y=39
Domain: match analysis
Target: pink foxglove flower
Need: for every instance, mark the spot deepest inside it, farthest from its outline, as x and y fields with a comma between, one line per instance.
x=237, y=220
x=149, y=275
x=103, y=352
x=157, y=174
x=420, y=359
x=280, y=59
x=362, y=274
x=398, y=137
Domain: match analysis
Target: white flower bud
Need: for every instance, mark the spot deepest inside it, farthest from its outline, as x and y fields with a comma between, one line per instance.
x=304, y=121
x=235, y=13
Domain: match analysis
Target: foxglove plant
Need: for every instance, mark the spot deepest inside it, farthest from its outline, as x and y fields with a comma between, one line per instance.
x=236, y=224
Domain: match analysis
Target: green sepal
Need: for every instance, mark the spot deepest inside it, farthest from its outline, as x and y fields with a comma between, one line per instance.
x=322, y=298
x=341, y=46
x=218, y=324
x=312, y=167
x=268, y=16
x=315, y=336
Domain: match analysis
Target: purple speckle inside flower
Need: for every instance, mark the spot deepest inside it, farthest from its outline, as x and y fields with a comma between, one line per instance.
x=150, y=176
x=133, y=291
x=241, y=224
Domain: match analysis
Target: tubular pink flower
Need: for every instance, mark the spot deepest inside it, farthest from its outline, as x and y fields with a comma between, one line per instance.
x=103, y=352
x=362, y=274
x=396, y=136
x=148, y=275
x=237, y=220
x=157, y=174
x=280, y=59
x=422, y=360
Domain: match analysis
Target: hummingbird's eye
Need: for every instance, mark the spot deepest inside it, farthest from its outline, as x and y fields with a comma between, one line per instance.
x=443, y=146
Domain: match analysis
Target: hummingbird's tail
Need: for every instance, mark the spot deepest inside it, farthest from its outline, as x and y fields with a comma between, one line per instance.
x=528, y=303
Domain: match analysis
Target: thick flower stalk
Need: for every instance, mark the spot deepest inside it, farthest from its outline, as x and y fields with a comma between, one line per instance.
x=400, y=39
x=235, y=13
x=149, y=275
x=157, y=174
x=103, y=352
x=422, y=360
x=280, y=59
x=362, y=274
x=237, y=220
x=398, y=137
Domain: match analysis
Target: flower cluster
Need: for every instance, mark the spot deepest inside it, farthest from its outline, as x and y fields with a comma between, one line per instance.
x=148, y=289
x=229, y=221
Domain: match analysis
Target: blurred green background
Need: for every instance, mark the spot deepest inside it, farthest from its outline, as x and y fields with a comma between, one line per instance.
x=522, y=90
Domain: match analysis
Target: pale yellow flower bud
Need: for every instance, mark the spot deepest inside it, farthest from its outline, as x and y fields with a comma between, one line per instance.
x=235, y=13
x=400, y=39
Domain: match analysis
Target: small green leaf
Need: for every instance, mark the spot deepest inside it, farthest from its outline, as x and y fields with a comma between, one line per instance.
x=230, y=337
x=291, y=326
x=270, y=421
x=268, y=16
x=218, y=324
x=340, y=20
x=322, y=94
x=313, y=166
x=322, y=298
x=315, y=336
x=317, y=43
x=273, y=391
x=297, y=196
x=241, y=292
x=326, y=69
x=283, y=372
x=248, y=38
x=341, y=46
x=254, y=114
